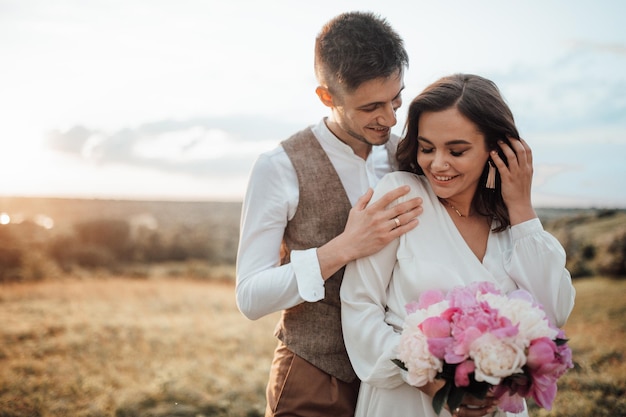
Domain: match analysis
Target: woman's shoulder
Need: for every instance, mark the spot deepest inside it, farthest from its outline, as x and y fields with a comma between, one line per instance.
x=397, y=178
x=419, y=185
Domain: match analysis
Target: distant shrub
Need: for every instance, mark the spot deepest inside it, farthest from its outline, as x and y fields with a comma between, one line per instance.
x=87, y=236
x=614, y=260
x=67, y=251
x=10, y=255
x=37, y=266
x=93, y=256
x=588, y=252
x=23, y=256
x=109, y=235
x=606, y=213
x=148, y=246
x=594, y=242
x=61, y=249
x=578, y=268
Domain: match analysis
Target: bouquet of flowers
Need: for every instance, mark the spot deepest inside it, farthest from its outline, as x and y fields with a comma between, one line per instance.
x=478, y=339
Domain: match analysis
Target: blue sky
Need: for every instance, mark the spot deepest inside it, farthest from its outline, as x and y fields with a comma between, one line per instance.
x=156, y=99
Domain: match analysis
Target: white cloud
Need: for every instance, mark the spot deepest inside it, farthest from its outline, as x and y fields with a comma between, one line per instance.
x=196, y=143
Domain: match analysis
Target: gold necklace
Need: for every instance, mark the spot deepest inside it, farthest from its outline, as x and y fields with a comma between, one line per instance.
x=447, y=203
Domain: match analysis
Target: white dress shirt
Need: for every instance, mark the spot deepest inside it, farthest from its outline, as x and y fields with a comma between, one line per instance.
x=376, y=290
x=263, y=286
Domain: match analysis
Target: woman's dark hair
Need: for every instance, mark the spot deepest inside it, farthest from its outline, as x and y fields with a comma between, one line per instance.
x=356, y=47
x=479, y=100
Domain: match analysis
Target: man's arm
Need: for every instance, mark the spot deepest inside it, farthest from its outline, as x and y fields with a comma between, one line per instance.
x=263, y=285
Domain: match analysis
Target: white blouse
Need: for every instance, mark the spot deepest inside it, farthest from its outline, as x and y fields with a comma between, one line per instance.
x=434, y=255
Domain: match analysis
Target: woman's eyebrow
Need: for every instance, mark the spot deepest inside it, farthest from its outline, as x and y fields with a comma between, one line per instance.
x=423, y=139
x=448, y=143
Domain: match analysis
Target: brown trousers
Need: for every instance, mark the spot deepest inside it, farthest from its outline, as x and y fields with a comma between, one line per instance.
x=297, y=388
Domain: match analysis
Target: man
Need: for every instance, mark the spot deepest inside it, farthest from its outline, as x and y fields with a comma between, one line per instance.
x=305, y=215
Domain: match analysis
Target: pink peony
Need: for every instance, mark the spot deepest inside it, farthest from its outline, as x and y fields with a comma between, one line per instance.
x=430, y=297
x=437, y=330
x=486, y=340
x=435, y=327
x=543, y=389
x=541, y=351
x=546, y=363
x=462, y=373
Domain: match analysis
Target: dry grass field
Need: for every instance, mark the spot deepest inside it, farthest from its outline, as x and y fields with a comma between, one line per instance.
x=124, y=347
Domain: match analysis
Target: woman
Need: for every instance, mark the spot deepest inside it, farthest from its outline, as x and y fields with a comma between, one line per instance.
x=462, y=154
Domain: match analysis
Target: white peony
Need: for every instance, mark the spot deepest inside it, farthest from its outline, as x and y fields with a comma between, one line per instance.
x=496, y=358
x=413, y=350
x=532, y=322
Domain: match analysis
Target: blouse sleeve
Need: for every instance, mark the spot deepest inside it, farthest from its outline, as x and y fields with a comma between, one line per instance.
x=263, y=285
x=537, y=264
x=369, y=340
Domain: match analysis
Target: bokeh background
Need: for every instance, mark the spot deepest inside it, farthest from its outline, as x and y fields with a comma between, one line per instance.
x=128, y=129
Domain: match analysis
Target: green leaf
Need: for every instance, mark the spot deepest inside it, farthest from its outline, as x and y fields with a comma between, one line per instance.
x=441, y=396
x=455, y=397
x=400, y=364
x=477, y=389
x=448, y=371
x=560, y=342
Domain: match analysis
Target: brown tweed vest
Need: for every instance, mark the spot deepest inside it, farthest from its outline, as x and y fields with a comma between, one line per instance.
x=313, y=330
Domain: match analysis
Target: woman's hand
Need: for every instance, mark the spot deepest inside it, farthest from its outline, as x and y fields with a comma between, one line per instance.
x=474, y=407
x=516, y=179
x=470, y=406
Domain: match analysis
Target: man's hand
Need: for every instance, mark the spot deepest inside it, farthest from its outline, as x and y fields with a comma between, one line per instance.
x=369, y=229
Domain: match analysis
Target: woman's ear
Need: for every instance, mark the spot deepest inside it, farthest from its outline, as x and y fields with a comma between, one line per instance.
x=325, y=97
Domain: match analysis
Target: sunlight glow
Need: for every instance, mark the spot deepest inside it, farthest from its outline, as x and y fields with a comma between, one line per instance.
x=44, y=221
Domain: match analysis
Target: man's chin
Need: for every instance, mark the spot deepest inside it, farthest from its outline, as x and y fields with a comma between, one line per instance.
x=380, y=139
x=371, y=138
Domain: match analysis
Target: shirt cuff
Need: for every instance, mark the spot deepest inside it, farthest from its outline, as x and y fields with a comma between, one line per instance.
x=308, y=274
x=527, y=228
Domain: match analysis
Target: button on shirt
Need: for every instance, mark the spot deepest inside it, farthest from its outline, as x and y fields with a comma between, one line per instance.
x=263, y=285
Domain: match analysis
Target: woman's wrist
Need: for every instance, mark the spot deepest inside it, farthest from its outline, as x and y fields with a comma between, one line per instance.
x=521, y=214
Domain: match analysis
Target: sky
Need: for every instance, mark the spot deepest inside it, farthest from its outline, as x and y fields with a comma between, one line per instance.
x=174, y=100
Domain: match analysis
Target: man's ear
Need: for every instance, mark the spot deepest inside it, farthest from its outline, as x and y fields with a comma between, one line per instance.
x=325, y=97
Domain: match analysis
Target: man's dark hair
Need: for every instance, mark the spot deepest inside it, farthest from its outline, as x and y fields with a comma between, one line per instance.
x=356, y=47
